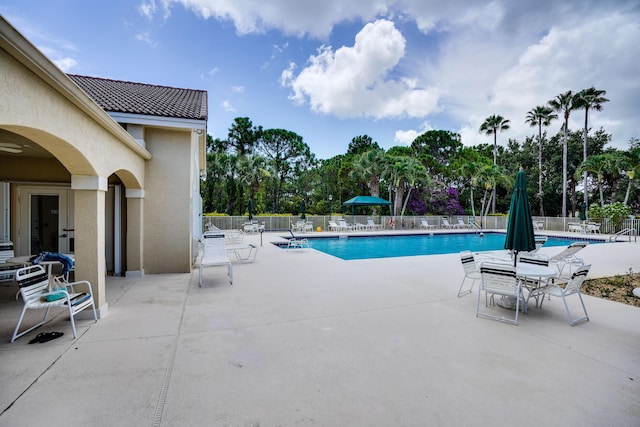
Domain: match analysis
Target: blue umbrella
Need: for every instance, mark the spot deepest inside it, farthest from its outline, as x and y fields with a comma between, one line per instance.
x=520, y=235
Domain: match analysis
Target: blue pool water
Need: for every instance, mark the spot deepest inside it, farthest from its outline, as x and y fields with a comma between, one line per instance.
x=354, y=247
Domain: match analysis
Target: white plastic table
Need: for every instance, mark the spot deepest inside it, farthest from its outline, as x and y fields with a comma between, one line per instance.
x=25, y=260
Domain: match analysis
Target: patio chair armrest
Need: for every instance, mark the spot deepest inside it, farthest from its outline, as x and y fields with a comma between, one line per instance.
x=81, y=282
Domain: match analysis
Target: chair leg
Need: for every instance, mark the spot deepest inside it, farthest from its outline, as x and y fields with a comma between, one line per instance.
x=17, y=335
x=73, y=322
x=460, y=292
x=576, y=321
x=200, y=276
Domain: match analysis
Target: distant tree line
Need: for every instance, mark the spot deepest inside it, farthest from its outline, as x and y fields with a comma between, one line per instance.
x=273, y=171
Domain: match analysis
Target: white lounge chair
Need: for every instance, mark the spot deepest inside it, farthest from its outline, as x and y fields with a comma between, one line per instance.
x=214, y=254
x=571, y=288
x=498, y=279
x=333, y=226
x=424, y=224
x=344, y=225
x=568, y=257
x=447, y=224
x=462, y=224
x=470, y=271
x=540, y=241
x=373, y=226
x=243, y=252
x=233, y=237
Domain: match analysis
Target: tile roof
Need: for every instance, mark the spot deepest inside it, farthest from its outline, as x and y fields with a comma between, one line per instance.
x=141, y=98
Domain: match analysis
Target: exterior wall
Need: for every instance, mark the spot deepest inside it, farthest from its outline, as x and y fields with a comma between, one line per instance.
x=40, y=103
x=167, y=204
x=38, y=112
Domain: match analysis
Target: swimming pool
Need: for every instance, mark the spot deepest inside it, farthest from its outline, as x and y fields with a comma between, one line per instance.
x=368, y=247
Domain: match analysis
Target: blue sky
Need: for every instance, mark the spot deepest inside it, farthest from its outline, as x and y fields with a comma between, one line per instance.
x=333, y=70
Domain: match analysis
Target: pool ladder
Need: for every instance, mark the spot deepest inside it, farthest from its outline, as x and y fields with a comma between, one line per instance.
x=626, y=232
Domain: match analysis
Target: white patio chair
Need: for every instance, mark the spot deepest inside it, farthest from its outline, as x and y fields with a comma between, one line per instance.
x=333, y=226
x=498, y=279
x=470, y=271
x=33, y=282
x=297, y=242
x=533, y=283
x=571, y=288
x=214, y=254
x=592, y=227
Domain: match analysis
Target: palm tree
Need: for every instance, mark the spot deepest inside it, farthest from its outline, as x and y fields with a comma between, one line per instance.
x=491, y=126
x=541, y=115
x=417, y=174
x=251, y=172
x=490, y=176
x=596, y=165
x=467, y=164
x=400, y=171
x=591, y=98
x=470, y=171
x=369, y=166
x=565, y=103
x=632, y=165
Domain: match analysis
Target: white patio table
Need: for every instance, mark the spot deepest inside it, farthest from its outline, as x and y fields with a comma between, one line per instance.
x=532, y=272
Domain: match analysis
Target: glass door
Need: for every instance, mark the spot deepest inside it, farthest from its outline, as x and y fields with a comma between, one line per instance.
x=45, y=220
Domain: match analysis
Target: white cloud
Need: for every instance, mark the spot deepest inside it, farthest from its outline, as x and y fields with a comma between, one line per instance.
x=406, y=137
x=147, y=8
x=145, y=37
x=354, y=82
x=228, y=107
x=474, y=59
x=237, y=89
x=293, y=17
x=601, y=52
x=65, y=64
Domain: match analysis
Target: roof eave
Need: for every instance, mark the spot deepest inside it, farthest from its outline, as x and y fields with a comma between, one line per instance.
x=27, y=54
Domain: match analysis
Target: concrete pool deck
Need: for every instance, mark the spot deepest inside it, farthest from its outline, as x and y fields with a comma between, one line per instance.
x=303, y=338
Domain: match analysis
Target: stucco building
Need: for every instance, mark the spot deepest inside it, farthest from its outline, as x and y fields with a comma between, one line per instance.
x=108, y=170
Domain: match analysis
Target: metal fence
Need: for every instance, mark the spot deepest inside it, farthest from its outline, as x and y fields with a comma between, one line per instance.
x=281, y=223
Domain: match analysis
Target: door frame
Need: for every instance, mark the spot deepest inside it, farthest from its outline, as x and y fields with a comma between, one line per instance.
x=23, y=216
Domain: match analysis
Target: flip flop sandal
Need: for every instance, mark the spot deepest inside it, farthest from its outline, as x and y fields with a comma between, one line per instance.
x=51, y=336
x=37, y=338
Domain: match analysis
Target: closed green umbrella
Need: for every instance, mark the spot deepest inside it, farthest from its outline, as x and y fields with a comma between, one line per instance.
x=583, y=212
x=520, y=235
x=250, y=208
x=303, y=208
